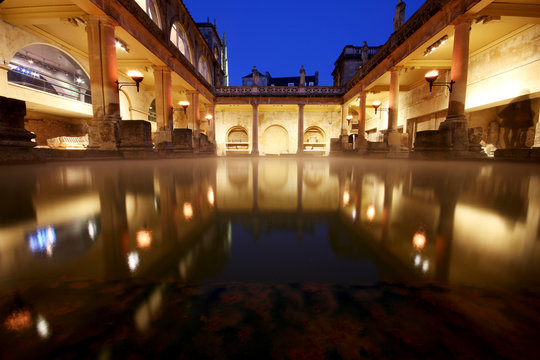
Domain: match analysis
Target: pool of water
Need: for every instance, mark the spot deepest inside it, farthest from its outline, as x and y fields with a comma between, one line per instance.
x=273, y=220
x=328, y=223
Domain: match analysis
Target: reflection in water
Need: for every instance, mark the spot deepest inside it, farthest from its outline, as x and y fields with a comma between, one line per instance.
x=276, y=220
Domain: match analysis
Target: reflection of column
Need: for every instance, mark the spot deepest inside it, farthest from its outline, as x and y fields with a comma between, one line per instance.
x=102, y=130
x=194, y=117
x=255, y=170
x=255, y=131
x=387, y=207
x=114, y=226
x=299, y=184
x=361, y=141
x=532, y=228
x=445, y=233
x=394, y=139
x=300, y=129
x=168, y=208
x=456, y=121
x=163, y=91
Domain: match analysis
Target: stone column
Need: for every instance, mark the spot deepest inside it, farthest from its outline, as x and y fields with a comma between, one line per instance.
x=103, y=128
x=361, y=142
x=300, y=129
x=210, y=109
x=194, y=117
x=255, y=130
x=164, y=113
x=344, y=137
x=394, y=138
x=456, y=121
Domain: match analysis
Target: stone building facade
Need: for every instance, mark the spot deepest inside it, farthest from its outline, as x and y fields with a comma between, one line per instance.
x=71, y=64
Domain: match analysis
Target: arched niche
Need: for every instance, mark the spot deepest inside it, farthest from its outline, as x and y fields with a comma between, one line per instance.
x=275, y=140
x=47, y=68
x=237, y=140
x=314, y=139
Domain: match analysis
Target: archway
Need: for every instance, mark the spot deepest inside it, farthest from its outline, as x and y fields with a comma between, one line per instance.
x=275, y=140
x=46, y=68
x=314, y=139
x=237, y=140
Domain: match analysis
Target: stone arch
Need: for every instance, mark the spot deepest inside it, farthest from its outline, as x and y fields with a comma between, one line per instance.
x=125, y=105
x=48, y=68
x=275, y=140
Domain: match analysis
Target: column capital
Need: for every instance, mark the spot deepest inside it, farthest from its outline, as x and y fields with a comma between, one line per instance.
x=301, y=106
x=102, y=19
x=157, y=68
x=463, y=19
x=396, y=68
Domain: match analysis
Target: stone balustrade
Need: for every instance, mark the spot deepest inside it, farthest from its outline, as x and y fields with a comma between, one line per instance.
x=308, y=91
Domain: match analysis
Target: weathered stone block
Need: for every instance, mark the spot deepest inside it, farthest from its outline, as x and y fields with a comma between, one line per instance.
x=433, y=140
x=135, y=135
x=12, y=132
x=182, y=140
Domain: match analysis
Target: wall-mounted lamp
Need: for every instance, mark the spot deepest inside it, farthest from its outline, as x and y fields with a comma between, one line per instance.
x=208, y=117
x=376, y=104
x=349, y=118
x=135, y=76
x=432, y=76
x=184, y=104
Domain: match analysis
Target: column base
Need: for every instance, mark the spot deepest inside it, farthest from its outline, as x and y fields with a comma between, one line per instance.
x=458, y=126
x=103, y=134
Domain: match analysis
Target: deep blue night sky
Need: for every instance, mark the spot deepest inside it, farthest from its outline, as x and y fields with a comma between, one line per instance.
x=279, y=36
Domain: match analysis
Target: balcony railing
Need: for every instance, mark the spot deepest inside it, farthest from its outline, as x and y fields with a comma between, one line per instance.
x=277, y=91
x=35, y=80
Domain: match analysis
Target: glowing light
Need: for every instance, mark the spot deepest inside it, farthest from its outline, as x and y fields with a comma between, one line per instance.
x=210, y=196
x=133, y=261
x=370, y=213
x=144, y=238
x=43, y=240
x=417, y=260
x=188, y=211
x=92, y=229
x=346, y=197
x=425, y=266
x=183, y=103
x=209, y=117
x=433, y=74
x=135, y=74
x=42, y=327
x=419, y=240
x=376, y=103
x=354, y=214
x=19, y=320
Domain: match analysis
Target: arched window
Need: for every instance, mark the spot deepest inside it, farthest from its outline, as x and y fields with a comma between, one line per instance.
x=150, y=7
x=179, y=39
x=204, y=69
x=43, y=67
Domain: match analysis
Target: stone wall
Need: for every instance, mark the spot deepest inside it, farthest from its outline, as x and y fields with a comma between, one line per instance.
x=47, y=126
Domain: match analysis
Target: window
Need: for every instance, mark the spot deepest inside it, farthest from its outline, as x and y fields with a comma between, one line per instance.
x=204, y=69
x=150, y=7
x=311, y=83
x=179, y=39
x=290, y=84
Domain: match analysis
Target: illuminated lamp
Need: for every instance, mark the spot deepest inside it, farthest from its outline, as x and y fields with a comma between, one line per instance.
x=209, y=117
x=135, y=75
x=419, y=240
x=432, y=76
x=376, y=104
x=184, y=104
x=349, y=118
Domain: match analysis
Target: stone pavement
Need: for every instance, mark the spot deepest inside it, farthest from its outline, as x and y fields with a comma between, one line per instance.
x=142, y=319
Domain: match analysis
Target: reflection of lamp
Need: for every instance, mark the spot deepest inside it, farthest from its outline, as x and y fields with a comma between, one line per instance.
x=144, y=238
x=432, y=76
x=419, y=240
x=188, y=211
x=346, y=197
x=135, y=75
x=210, y=196
x=370, y=213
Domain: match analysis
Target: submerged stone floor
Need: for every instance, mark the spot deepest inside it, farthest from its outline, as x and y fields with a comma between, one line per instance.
x=144, y=319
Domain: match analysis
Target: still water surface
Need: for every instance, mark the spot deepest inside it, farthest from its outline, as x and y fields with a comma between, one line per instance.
x=272, y=220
